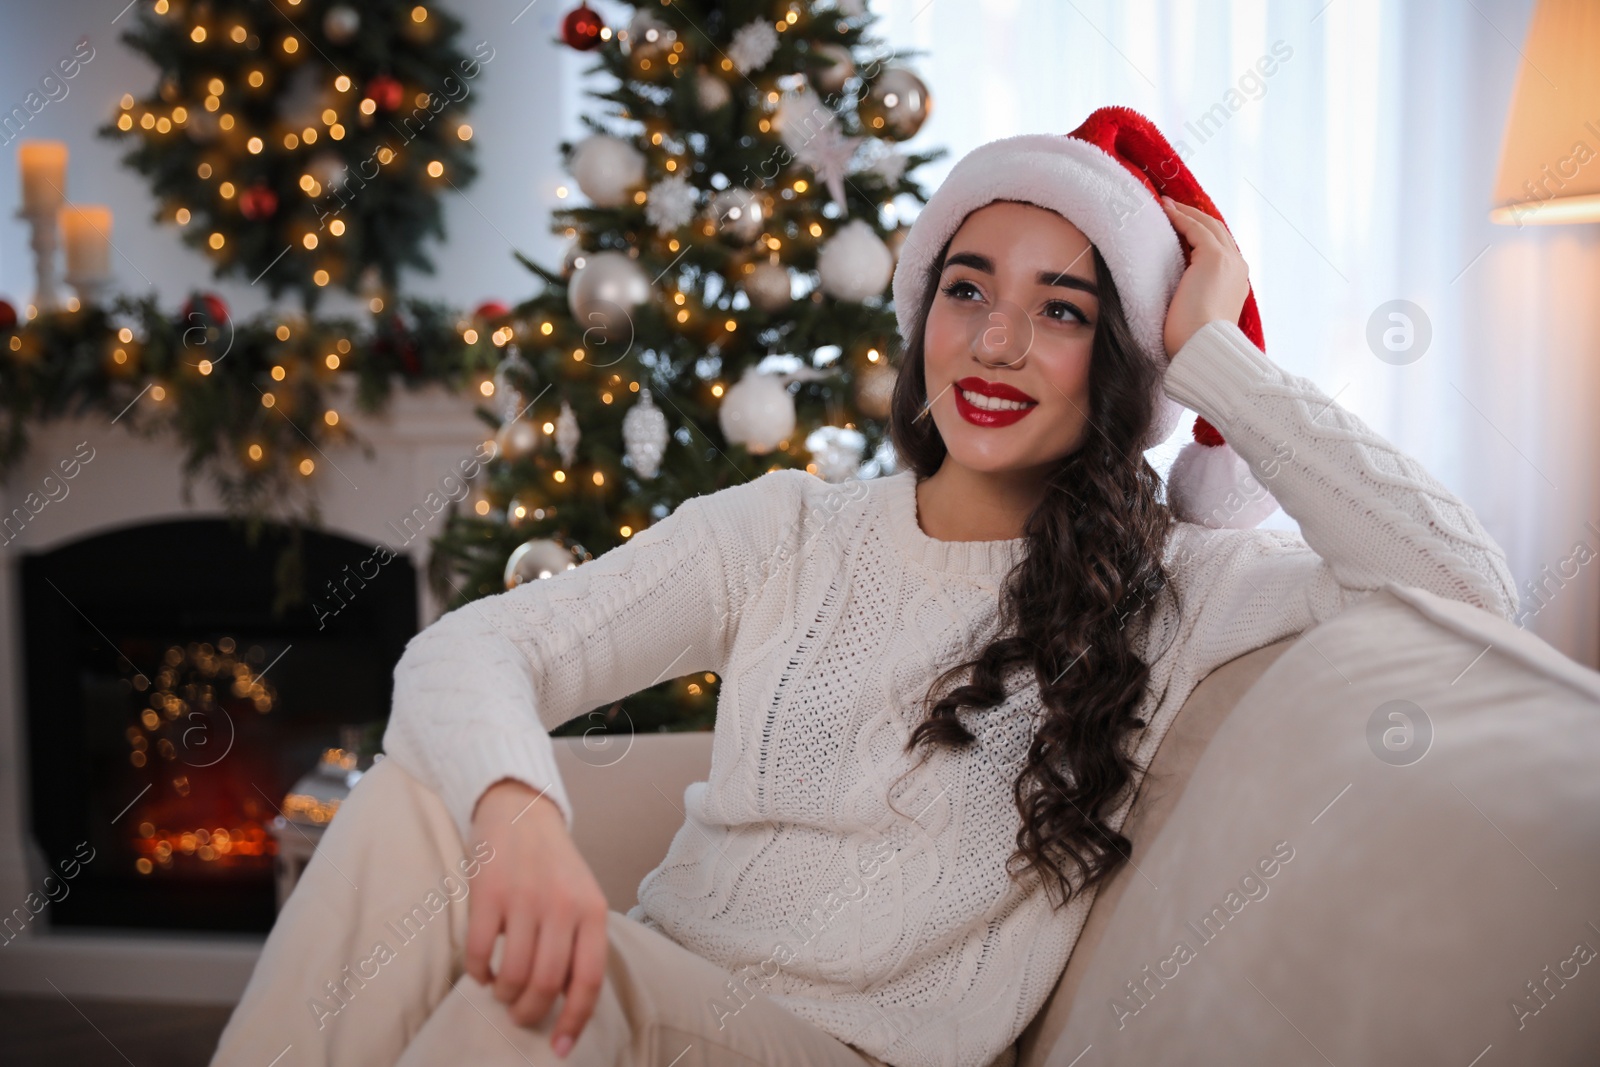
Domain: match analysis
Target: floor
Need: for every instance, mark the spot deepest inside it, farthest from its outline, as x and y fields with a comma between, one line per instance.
x=52, y=1032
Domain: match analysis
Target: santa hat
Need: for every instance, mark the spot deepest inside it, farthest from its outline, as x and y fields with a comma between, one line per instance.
x=1106, y=178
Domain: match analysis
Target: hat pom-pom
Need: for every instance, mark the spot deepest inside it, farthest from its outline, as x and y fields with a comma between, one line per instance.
x=1210, y=484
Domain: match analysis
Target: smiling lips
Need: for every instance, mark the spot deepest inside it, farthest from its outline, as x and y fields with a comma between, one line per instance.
x=985, y=403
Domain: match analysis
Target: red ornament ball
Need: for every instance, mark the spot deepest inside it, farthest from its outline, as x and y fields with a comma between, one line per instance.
x=490, y=309
x=581, y=28
x=203, y=309
x=258, y=202
x=385, y=92
x=8, y=316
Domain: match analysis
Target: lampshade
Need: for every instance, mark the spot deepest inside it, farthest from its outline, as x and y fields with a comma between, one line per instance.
x=1550, y=156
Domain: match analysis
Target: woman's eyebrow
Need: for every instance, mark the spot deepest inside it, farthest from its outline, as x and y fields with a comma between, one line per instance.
x=1061, y=279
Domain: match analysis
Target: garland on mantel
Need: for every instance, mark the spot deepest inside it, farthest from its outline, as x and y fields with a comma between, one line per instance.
x=253, y=403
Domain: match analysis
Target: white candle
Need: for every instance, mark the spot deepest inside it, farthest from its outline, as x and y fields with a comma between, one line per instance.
x=88, y=235
x=44, y=175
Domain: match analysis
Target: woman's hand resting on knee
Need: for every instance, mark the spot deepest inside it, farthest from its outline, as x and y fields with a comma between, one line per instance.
x=543, y=896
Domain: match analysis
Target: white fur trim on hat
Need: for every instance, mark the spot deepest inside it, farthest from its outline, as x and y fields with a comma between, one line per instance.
x=1088, y=187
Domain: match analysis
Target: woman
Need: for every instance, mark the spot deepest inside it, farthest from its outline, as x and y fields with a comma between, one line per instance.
x=938, y=687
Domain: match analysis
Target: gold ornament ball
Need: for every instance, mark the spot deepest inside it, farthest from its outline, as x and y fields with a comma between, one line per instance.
x=536, y=559
x=896, y=105
x=875, y=389
x=841, y=67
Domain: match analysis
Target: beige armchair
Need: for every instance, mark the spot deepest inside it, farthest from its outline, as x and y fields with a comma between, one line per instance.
x=1432, y=773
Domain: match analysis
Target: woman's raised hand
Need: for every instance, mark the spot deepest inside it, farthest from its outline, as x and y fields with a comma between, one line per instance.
x=1216, y=281
x=543, y=896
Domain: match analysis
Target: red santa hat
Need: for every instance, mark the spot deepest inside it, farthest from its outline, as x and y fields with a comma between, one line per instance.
x=1106, y=177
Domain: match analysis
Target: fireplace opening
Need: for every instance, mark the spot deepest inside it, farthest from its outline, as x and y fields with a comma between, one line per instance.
x=170, y=709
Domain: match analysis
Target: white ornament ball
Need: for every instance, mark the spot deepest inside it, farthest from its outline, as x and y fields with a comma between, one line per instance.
x=341, y=24
x=837, y=451
x=854, y=263
x=604, y=292
x=757, y=412
x=516, y=438
x=769, y=286
x=607, y=169
x=536, y=559
x=739, y=215
x=647, y=31
x=329, y=170
x=713, y=92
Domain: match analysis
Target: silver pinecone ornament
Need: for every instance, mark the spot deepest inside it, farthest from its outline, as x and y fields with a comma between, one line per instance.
x=567, y=434
x=644, y=433
x=506, y=388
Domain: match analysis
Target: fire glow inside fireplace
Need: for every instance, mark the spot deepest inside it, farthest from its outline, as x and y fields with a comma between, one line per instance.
x=170, y=709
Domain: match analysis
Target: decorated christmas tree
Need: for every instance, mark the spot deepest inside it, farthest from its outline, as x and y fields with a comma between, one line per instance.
x=723, y=307
x=303, y=144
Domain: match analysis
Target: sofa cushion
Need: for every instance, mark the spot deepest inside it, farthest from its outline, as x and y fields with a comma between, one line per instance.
x=627, y=800
x=1389, y=852
x=1159, y=790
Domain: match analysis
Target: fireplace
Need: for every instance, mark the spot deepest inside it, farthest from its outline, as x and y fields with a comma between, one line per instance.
x=170, y=707
x=133, y=522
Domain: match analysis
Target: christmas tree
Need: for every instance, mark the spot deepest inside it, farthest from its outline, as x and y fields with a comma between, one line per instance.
x=723, y=307
x=306, y=144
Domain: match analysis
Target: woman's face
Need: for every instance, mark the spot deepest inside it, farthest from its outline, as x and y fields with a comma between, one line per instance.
x=1014, y=312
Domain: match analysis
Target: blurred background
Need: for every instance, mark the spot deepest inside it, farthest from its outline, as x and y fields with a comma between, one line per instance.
x=251, y=446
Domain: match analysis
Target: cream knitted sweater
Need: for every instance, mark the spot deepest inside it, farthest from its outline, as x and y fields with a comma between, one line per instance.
x=826, y=611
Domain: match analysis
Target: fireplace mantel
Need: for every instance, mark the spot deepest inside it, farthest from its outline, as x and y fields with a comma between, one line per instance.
x=420, y=440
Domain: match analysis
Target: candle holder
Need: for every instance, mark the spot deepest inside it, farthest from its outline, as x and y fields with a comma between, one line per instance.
x=44, y=241
x=91, y=291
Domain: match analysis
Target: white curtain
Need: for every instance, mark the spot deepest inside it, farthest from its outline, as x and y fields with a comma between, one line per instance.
x=1358, y=171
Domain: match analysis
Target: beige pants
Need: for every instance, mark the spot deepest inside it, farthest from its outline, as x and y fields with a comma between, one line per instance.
x=364, y=966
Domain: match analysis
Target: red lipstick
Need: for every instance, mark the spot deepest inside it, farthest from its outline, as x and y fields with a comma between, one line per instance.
x=985, y=416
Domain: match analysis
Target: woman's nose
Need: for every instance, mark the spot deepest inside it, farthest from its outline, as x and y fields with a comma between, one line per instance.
x=1002, y=337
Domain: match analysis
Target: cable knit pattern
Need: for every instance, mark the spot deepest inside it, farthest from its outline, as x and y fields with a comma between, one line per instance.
x=889, y=921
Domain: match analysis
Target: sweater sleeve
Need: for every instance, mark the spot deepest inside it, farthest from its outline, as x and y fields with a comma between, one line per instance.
x=1368, y=513
x=477, y=692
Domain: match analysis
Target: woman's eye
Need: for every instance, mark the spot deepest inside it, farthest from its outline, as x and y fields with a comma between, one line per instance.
x=1070, y=309
x=958, y=286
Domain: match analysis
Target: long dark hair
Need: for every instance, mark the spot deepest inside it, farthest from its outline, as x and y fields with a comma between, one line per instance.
x=1074, y=607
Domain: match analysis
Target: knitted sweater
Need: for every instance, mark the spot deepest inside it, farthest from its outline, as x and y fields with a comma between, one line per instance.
x=827, y=611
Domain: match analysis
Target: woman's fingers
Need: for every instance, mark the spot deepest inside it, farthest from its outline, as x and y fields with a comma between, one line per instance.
x=1206, y=221
x=588, y=971
x=521, y=928
x=551, y=961
x=484, y=914
x=1193, y=224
